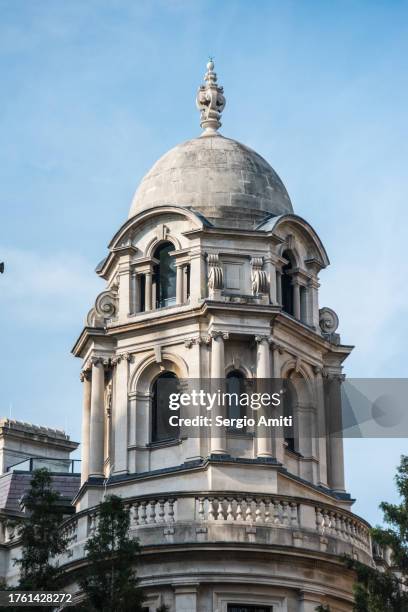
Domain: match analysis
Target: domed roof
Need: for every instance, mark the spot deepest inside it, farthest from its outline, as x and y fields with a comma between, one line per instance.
x=227, y=182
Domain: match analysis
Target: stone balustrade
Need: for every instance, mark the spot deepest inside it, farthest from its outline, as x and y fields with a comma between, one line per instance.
x=245, y=518
x=348, y=528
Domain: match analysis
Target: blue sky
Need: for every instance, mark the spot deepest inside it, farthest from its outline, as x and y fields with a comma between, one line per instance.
x=94, y=92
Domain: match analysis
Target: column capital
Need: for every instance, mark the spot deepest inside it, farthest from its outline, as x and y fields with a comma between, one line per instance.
x=264, y=338
x=85, y=374
x=275, y=346
x=335, y=376
x=121, y=357
x=217, y=333
x=100, y=360
x=189, y=342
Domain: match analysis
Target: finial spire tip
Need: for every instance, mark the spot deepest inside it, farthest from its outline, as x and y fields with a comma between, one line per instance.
x=210, y=100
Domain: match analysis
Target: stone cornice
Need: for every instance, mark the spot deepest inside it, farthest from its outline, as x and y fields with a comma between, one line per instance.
x=88, y=333
x=297, y=328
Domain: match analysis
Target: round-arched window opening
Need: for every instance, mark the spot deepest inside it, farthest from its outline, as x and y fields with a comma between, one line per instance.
x=235, y=387
x=163, y=386
x=164, y=278
x=287, y=286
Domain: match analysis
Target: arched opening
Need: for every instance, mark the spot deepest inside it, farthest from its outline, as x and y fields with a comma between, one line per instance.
x=287, y=285
x=164, y=276
x=235, y=386
x=163, y=386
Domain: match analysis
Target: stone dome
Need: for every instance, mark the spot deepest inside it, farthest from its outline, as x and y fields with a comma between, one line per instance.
x=222, y=179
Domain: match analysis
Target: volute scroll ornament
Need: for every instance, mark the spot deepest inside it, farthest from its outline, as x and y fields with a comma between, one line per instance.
x=215, y=274
x=329, y=322
x=259, y=277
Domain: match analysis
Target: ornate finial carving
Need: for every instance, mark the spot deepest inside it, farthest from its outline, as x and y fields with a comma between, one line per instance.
x=210, y=101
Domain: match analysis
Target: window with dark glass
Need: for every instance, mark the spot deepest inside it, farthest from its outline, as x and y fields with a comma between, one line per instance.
x=164, y=385
x=164, y=277
x=235, y=386
x=287, y=287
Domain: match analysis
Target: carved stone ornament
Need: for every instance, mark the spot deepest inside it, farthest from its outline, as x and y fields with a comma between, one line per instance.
x=328, y=320
x=259, y=277
x=108, y=398
x=210, y=101
x=215, y=274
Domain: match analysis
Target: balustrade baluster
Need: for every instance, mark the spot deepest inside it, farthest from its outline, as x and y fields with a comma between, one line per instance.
x=170, y=511
x=143, y=517
x=239, y=509
x=220, y=513
x=258, y=511
x=201, y=513
x=161, y=511
x=276, y=512
x=285, y=516
x=267, y=506
x=248, y=511
x=152, y=514
x=230, y=515
x=211, y=516
x=294, y=514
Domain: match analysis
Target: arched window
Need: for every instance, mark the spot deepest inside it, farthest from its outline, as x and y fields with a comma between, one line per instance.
x=165, y=275
x=164, y=385
x=235, y=386
x=287, y=286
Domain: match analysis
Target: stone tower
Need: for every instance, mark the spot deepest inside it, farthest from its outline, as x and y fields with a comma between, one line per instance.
x=214, y=276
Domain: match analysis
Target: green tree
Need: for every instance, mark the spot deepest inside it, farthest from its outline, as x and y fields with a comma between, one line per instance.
x=110, y=581
x=384, y=590
x=41, y=536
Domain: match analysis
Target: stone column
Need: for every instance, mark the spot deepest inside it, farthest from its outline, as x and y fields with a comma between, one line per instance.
x=279, y=287
x=321, y=428
x=314, y=303
x=120, y=415
x=124, y=291
x=273, y=290
x=218, y=438
x=133, y=293
x=263, y=373
x=296, y=299
x=335, y=433
x=97, y=419
x=197, y=276
x=148, y=290
x=179, y=284
x=278, y=438
x=86, y=424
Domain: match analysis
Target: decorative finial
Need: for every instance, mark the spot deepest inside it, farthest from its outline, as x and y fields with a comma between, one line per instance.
x=210, y=101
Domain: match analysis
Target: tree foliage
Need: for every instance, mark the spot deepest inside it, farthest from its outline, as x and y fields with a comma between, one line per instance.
x=110, y=581
x=41, y=536
x=383, y=590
